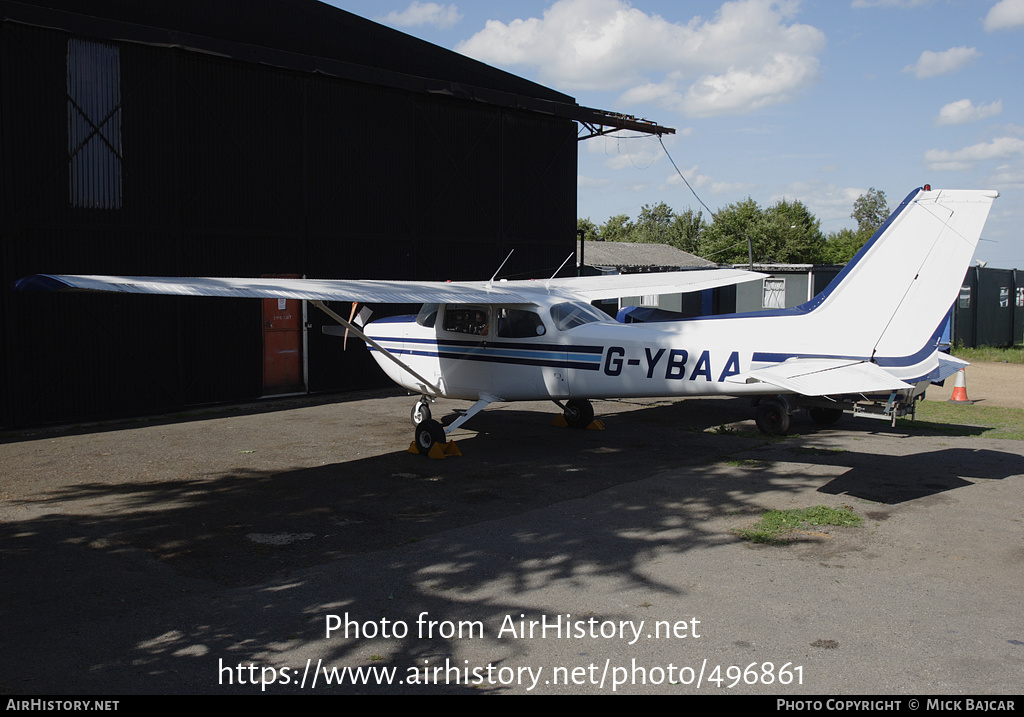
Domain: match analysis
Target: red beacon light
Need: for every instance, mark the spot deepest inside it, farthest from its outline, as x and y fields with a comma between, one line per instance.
x=927, y=187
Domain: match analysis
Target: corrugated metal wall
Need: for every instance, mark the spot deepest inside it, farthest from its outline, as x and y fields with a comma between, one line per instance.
x=1018, y=307
x=228, y=168
x=990, y=308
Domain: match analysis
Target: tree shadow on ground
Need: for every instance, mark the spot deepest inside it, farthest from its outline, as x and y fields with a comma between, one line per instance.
x=127, y=586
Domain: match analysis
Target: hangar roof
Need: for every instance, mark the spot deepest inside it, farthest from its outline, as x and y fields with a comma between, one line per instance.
x=310, y=36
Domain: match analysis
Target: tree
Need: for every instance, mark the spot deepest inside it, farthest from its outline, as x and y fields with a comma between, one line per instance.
x=687, y=229
x=654, y=225
x=588, y=228
x=617, y=228
x=660, y=224
x=842, y=245
x=796, y=233
x=785, y=233
x=870, y=210
x=725, y=240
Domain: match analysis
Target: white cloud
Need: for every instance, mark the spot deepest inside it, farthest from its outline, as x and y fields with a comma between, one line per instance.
x=932, y=64
x=1005, y=15
x=738, y=91
x=966, y=159
x=702, y=181
x=829, y=202
x=964, y=111
x=695, y=179
x=890, y=3
x=425, y=13
x=1007, y=176
x=585, y=182
x=750, y=55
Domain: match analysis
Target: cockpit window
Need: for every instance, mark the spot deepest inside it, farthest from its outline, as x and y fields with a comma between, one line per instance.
x=575, y=313
x=466, y=319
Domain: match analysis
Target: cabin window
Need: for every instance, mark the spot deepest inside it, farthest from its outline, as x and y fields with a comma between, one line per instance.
x=774, y=294
x=466, y=319
x=575, y=313
x=519, y=324
x=94, y=125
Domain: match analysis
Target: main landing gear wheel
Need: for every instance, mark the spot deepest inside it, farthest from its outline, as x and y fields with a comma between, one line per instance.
x=420, y=412
x=428, y=433
x=825, y=416
x=773, y=417
x=578, y=413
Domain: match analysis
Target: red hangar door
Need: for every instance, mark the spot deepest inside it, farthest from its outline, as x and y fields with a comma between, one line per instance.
x=282, y=344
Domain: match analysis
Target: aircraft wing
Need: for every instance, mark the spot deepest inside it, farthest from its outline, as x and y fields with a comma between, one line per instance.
x=614, y=286
x=824, y=377
x=373, y=291
x=365, y=291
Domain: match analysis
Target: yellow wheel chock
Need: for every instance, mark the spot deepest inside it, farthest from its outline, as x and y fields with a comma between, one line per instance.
x=438, y=451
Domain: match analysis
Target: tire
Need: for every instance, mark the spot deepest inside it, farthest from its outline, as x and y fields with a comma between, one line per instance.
x=825, y=416
x=420, y=412
x=773, y=417
x=427, y=434
x=578, y=413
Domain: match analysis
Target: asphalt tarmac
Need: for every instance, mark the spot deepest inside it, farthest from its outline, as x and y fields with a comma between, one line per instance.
x=230, y=550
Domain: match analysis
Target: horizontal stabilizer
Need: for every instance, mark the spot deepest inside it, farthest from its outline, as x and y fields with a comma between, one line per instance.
x=948, y=365
x=824, y=377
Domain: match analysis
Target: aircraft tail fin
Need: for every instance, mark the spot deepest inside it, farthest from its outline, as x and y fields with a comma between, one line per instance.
x=899, y=288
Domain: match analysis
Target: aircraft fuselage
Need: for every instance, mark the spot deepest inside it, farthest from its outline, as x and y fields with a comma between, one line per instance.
x=596, y=359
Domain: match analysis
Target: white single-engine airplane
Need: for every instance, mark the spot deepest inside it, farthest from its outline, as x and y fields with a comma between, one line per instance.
x=867, y=344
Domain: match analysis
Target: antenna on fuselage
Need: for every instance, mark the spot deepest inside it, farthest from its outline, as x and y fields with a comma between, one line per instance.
x=547, y=284
x=490, y=283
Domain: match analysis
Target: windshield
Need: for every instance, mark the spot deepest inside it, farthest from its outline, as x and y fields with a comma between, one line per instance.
x=427, y=315
x=575, y=313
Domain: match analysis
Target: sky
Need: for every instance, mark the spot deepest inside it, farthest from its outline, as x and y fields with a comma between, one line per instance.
x=809, y=100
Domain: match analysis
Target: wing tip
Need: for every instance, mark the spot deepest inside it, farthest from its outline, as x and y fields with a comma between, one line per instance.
x=41, y=282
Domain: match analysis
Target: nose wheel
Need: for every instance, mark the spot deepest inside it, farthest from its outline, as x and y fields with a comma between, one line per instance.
x=431, y=437
x=420, y=411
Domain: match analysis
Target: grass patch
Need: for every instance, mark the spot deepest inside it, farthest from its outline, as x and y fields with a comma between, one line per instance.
x=746, y=463
x=776, y=525
x=1013, y=354
x=812, y=451
x=955, y=419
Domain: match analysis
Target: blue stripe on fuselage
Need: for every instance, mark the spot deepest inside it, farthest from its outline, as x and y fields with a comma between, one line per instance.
x=530, y=354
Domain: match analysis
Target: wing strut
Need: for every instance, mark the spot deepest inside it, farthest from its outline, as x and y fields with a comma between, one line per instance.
x=352, y=327
x=484, y=402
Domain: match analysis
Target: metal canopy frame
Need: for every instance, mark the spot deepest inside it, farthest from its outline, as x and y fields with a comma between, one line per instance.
x=601, y=122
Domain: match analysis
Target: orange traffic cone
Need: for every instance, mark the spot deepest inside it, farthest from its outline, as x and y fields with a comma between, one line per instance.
x=960, y=388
